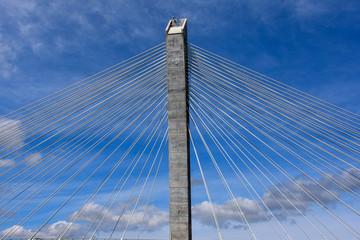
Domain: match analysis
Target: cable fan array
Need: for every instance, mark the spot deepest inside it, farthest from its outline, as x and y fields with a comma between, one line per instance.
x=85, y=162
x=74, y=154
x=283, y=157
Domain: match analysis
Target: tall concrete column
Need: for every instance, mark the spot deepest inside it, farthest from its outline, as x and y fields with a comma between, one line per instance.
x=178, y=121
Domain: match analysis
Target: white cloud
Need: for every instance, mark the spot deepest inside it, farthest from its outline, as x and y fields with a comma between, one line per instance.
x=227, y=213
x=294, y=200
x=92, y=210
x=6, y=163
x=11, y=134
x=305, y=199
x=57, y=228
x=33, y=158
x=51, y=231
x=153, y=220
x=20, y=231
x=61, y=25
x=7, y=59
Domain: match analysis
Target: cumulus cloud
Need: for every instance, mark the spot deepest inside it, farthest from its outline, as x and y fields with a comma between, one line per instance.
x=11, y=134
x=50, y=231
x=57, y=228
x=18, y=231
x=93, y=210
x=281, y=200
x=153, y=220
x=315, y=193
x=227, y=213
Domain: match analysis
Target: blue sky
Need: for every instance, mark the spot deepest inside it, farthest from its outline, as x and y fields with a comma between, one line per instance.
x=313, y=46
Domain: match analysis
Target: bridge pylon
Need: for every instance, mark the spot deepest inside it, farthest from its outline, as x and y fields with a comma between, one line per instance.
x=178, y=124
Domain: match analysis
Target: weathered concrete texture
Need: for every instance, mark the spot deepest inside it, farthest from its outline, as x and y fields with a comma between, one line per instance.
x=178, y=121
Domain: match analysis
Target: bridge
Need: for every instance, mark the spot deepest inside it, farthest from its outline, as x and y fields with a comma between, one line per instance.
x=179, y=138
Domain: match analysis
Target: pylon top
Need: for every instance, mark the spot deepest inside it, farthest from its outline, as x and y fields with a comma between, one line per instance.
x=174, y=27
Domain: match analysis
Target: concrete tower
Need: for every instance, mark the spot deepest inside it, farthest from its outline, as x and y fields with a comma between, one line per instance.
x=178, y=121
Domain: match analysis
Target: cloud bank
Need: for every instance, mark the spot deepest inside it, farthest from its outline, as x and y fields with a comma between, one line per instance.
x=282, y=200
x=154, y=220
